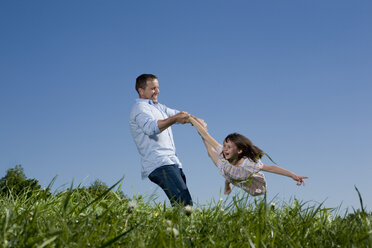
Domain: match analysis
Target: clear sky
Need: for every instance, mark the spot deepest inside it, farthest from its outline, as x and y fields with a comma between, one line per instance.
x=293, y=76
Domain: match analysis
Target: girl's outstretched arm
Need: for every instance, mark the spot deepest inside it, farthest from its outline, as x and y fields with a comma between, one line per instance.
x=210, y=143
x=281, y=171
x=200, y=125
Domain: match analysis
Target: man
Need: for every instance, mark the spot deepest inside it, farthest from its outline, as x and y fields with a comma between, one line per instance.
x=150, y=124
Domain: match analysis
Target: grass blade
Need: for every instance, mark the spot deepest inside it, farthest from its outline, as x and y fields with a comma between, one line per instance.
x=113, y=240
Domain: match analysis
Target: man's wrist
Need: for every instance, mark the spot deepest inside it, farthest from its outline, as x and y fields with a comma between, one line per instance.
x=173, y=119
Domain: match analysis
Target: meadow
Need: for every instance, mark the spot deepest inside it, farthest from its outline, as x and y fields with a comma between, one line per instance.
x=78, y=218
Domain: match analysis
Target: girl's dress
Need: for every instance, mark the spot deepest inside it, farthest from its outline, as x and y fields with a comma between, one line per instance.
x=247, y=176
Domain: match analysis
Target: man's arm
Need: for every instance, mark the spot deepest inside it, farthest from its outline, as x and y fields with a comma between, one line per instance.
x=181, y=117
x=142, y=117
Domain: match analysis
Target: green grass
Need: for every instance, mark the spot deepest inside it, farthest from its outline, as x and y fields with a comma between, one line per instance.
x=77, y=219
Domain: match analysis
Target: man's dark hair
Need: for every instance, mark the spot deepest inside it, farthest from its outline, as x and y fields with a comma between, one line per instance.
x=141, y=80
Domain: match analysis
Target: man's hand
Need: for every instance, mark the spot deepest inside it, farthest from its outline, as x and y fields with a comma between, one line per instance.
x=182, y=117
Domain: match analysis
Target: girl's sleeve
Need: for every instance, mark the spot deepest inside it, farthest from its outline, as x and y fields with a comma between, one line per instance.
x=221, y=162
x=254, y=167
x=259, y=165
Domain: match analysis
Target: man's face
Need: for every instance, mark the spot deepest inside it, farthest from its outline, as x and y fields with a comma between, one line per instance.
x=151, y=91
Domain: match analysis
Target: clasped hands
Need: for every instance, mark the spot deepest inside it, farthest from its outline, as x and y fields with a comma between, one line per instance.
x=184, y=117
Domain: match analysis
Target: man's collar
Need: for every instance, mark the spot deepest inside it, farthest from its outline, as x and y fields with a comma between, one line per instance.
x=145, y=100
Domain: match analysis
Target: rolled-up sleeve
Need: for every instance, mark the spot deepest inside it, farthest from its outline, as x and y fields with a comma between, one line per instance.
x=156, y=148
x=145, y=120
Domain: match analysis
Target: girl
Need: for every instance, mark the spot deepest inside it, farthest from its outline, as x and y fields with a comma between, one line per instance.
x=239, y=161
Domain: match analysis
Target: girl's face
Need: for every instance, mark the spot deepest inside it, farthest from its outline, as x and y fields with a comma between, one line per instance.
x=230, y=150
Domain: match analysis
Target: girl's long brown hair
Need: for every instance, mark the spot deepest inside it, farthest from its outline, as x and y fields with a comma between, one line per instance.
x=243, y=143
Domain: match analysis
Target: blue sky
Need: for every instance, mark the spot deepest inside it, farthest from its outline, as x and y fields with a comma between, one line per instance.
x=293, y=76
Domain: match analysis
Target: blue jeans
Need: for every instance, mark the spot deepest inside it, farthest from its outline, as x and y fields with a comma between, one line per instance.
x=173, y=181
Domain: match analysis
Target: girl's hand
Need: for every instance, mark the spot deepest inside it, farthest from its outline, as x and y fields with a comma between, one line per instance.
x=201, y=121
x=182, y=117
x=227, y=188
x=300, y=180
